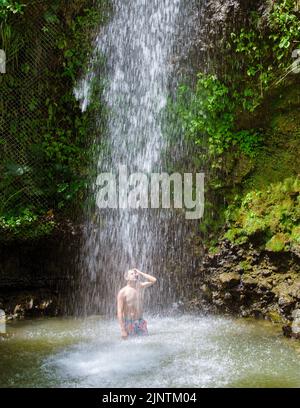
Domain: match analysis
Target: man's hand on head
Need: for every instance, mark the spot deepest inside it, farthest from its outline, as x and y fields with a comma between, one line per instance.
x=151, y=279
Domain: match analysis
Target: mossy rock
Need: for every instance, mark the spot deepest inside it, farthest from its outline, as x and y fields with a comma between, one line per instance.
x=295, y=235
x=249, y=280
x=274, y=316
x=270, y=213
x=245, y=265
x=230, y=278
x=234, y=235
x=277, y=243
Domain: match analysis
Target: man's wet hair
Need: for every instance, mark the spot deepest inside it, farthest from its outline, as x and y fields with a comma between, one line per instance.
x=126, y=273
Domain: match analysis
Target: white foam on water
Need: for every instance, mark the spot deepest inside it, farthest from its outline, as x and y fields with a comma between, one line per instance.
x=182, y=351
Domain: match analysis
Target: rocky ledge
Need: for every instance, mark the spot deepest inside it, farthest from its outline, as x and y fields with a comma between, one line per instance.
x=244, y=281
x=38, y=277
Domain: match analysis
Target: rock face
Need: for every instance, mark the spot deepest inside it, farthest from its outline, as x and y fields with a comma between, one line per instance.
x=38, y=277
x=244, y=281
x=260, y=275
x=295, y=326
x=2, y=323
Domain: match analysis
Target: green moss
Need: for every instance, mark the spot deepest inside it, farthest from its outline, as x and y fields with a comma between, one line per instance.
x=274, y=316
x=213, y=250
x=295, y=235
x=253, y=223
x=295, y=238
x=273, y=213
x=277, y=243
x=244, y=123
x=236, y=235
x=280, y=155
x=229, y=278
x=245, y=265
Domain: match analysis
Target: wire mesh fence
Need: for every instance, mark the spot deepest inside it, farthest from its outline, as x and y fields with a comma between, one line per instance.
x=28, y=41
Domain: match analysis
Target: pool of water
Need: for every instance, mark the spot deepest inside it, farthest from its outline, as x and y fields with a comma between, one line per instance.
x=185, y=351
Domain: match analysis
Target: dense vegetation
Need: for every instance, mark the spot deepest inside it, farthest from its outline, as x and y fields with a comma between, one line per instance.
x=46, y=139
x=244, y=120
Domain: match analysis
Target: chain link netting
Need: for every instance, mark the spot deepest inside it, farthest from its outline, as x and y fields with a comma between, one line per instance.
x=23, y=107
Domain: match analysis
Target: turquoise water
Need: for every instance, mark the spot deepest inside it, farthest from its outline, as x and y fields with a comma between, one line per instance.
x=184, y=351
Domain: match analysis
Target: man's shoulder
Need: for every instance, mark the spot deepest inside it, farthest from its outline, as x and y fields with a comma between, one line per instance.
x=122, y=291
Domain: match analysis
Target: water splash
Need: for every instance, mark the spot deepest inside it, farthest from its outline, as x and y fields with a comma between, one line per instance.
x=186, y=351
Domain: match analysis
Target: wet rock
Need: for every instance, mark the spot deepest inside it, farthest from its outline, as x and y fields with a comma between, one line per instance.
x=287, y=330
x=2, y=323
x=249, y=281
x=293, y=329
x=227, y=296
x=33, y=303
x=274, y=316
x=37, y=271
x=244, y=312
x=206, y=292
x=218, y=302
x=230, y=279
x=286, y=303
x=265, y=284
x=266, y=272
x=296, y=323
x=243, y=280
x=295, y=290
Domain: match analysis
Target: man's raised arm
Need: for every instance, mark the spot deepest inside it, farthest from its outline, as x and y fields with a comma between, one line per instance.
x=151, y=279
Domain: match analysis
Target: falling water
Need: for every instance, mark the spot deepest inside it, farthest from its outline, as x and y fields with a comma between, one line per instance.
x=139, y=46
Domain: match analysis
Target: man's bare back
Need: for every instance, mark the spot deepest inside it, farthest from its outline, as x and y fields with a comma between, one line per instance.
x=130, y=303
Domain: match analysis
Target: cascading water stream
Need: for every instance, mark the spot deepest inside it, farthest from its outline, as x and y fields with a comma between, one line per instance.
x=139, y=48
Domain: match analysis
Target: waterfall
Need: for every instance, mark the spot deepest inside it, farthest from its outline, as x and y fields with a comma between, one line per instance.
x=139, y=47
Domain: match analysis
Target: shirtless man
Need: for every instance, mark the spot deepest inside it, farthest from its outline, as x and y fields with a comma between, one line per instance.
x=130, y=304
